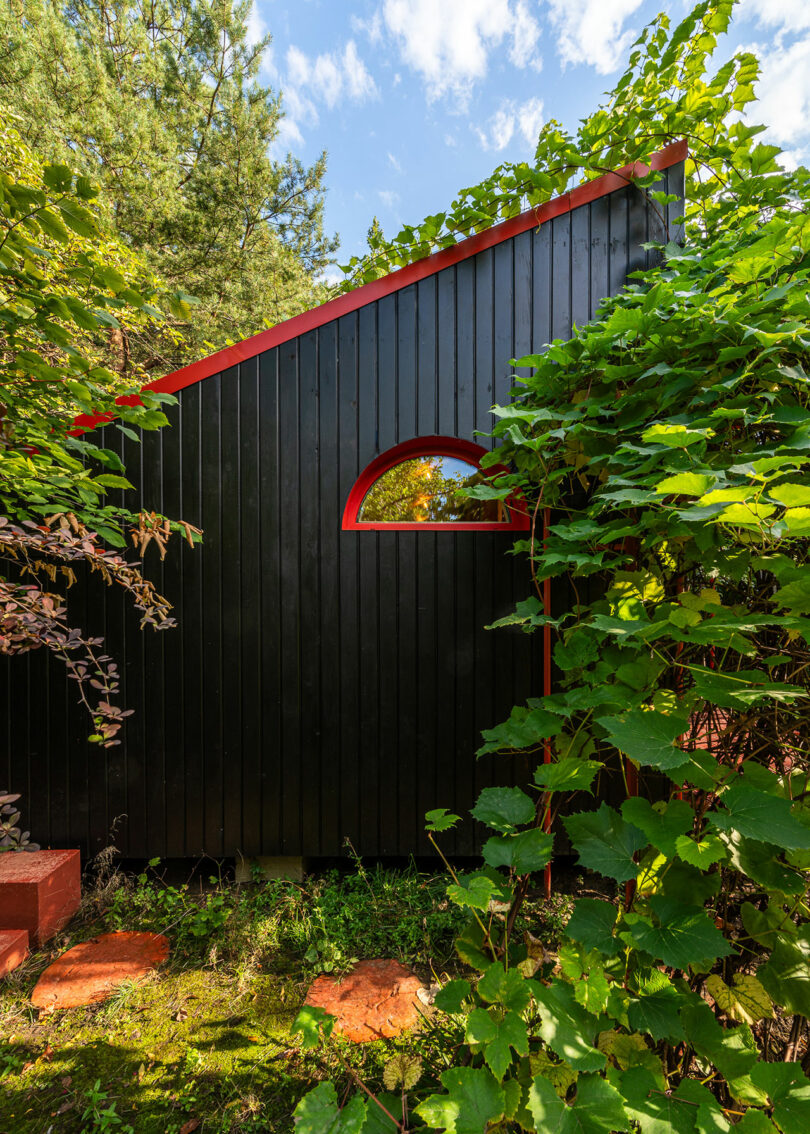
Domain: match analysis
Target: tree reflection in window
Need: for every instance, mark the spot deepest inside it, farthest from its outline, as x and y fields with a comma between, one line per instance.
x=426, y=490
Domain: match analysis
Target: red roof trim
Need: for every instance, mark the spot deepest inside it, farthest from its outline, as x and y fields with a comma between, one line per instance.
x=427, y=447
x=395, y=281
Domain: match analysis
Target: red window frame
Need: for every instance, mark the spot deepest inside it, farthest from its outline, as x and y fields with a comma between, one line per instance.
x=427, y=447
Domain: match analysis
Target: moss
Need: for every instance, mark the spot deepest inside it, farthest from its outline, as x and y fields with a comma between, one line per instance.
x=179, y=1045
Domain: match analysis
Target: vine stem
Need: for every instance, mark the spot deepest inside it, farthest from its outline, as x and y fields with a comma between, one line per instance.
x=454, y=876
x=353, y=1074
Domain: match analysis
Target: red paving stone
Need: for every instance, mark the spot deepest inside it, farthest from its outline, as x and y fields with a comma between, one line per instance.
x=39, y=891
x=376, y=999
x=93, y=970
x=13, y=948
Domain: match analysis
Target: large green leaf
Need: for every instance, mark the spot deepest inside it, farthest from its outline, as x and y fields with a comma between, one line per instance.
x=732, y=1050
x=789, y=1092
x=605, y=842
x=679, y=936
x=742, y=688
x=591, y=922
x=597, y=1108
x=662, y=823
x=709, y=1117
x=646, y=736
x=762, y=862
x=524, y=852
x=786, y=974
x=478, y=889
x=312, y=1024
x=685, y=483
x=504, y=808
x=318, y=1113
x=759, y=815
x=701, y=854
x=473, y=1100
x=471, y=947
x=688, y=884
x=377, y=1121
x=498, y=1037
x=795, y=596
x=567, y=1027
x=658, y=1013
x=525, y=728
x=649, y=1103
x=451, y=996
x=767, y=926
x=507, y=987
x=568, y=774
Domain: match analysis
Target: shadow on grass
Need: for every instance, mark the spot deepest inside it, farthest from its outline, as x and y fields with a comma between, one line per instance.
x=174, y=1051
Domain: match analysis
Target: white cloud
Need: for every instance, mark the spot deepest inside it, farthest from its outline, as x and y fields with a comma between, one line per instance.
x=256, y=27
x=392, y=161
x=786, y=15
x=289, y=135
x=530, y=119
x=591, y=31
x=510, y=118
x=525, y=36
x=298, y=107
x=372, y=27
x=357, y=79
x=784, y=96
x=388, y=197
x=449, y=43
x=333, y=76
x=331, y=274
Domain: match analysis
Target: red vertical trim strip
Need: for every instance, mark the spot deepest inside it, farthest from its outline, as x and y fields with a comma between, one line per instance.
x=547, y=691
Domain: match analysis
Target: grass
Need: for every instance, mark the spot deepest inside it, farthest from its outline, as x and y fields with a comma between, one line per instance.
x=204, y=1044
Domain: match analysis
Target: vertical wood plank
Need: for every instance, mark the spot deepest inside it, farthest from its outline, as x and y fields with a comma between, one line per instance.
x=271, y=603
x=331, y=538
x=191, y=627
x=349, y=787
x=290, y=611
x=212, y=552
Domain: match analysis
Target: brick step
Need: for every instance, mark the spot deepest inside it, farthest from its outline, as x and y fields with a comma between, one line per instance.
x=13, y=948
x=40, y=891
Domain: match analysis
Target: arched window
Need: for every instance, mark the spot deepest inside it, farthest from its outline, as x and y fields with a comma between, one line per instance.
x=415, y=487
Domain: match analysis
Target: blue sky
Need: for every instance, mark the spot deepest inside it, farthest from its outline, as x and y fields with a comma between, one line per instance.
x=413, y=99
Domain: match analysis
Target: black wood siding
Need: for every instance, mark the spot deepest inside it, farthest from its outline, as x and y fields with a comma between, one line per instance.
x=321, y=684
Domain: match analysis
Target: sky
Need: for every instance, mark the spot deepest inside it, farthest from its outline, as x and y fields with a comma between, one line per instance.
x=415, y=99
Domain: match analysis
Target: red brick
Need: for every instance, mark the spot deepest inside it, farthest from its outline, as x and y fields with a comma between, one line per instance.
x=91, y=971
x=39, y=891
x=13, y=947
x=377, y=998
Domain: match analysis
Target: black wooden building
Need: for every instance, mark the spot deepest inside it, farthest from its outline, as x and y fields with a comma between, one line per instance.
x=329, y=676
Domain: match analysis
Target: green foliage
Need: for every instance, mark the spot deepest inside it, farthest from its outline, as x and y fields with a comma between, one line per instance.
x=100, y=1114
x=66, y=284
x=162, y=105
x=667, y=439
x=323, y=926
x=70, y=295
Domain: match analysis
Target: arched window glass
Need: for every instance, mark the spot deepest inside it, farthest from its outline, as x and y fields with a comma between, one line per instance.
x=418, y=486
x=426, y=489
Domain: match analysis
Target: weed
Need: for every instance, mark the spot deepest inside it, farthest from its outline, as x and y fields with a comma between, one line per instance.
x=98, y=1118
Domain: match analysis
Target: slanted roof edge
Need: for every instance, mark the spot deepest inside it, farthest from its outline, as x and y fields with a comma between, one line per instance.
x=395, y=281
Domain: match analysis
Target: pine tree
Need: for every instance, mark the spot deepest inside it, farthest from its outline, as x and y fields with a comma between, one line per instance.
x=160, y=101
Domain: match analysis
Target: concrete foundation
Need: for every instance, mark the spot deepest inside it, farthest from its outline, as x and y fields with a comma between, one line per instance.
x=289, y=867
